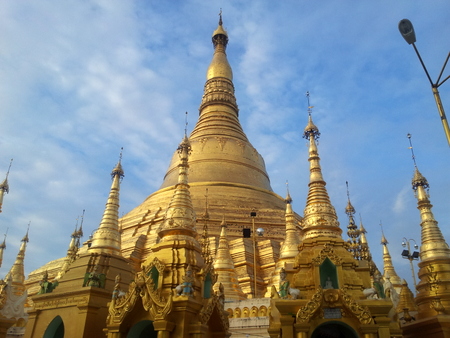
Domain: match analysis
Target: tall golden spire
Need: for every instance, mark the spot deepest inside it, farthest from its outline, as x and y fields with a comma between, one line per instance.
x=320, y=219
x=224, y=268
x=289, y=248
x=389, y=270
x=433, y=243
x=434, y=253
x=4, y=186
x=221, y=151
x=218, y=98
x=107, y=237
x=17, y=270
x=180, y=215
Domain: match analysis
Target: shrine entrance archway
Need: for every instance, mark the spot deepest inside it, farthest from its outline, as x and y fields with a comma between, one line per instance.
x=55, y=329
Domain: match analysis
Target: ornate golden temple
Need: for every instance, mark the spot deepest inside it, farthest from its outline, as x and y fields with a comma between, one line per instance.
x=186, y=263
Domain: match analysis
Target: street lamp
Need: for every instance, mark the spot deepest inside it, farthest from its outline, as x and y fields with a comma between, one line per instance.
x=259, y=232
x=410, y=255
x=407, y=31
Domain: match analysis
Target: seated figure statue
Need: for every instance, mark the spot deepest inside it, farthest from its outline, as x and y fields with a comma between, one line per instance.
x=284, y=284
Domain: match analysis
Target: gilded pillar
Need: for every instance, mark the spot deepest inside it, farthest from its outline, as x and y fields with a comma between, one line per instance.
x=369, y=331
x=164, y=328
x=301, y=330
x=287, y=326
x=197, y=330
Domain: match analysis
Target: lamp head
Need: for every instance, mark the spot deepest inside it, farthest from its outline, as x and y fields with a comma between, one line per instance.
x=403, y=244
x=260, y=231
x=416, y=246
x=407, y=31
x=405, y=254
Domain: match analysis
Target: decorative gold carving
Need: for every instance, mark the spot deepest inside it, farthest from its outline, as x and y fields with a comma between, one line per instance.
x=203, y=141
x=142, y=287
x=222, y=141
x=433, y=280
x=305, y=314
x=333, y=299
x=360, y=312
x=327, y=252
x=437, y=306
x=241, y=145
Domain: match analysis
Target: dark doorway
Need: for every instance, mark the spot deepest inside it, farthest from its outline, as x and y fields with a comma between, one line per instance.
x=55, y=329
x=334, y=330
x=143, y=329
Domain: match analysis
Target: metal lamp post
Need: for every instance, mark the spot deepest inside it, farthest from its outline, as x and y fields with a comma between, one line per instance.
x=407, y=31
x=258, y=232
x=410, y=255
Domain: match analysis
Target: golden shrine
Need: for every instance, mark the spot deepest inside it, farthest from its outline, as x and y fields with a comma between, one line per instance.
x=184, y=263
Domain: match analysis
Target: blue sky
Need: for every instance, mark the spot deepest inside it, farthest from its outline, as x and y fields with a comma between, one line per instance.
x=81, y=79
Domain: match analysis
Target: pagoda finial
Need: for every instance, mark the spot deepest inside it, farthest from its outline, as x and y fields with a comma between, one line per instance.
x=3, y=247
x=4, y=186
x=186, y=125
x=107, y=237
x=118, y=171
x=80, y=230
x=25, y=238
x=412, y=149
x=288, y=199
x=311, y=130
x=219, y=66
x=383, y=238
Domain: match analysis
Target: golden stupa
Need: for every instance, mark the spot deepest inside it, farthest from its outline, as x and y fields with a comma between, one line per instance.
x=185, y=262
x=225, y=166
